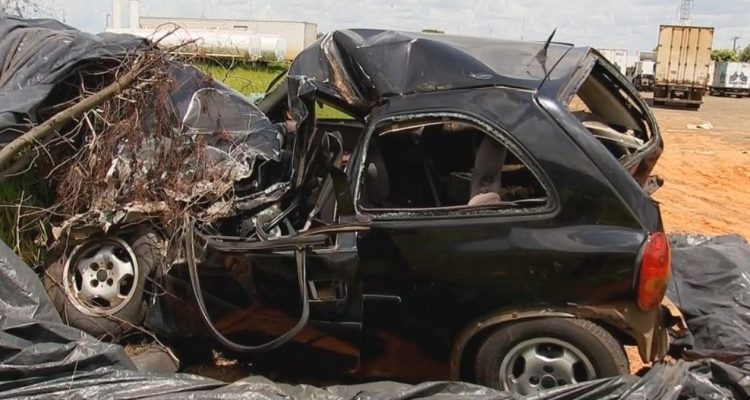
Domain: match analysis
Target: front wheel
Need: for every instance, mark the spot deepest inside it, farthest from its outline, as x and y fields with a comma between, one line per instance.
x=530, y=356
x=99, y=285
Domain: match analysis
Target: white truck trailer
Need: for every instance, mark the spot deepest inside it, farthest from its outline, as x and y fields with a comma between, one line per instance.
x=643, y=78
x=618, y=58
x=731, y=79
x=682, y=65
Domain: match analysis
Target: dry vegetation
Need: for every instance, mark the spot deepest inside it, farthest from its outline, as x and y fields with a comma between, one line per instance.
x=106, y=154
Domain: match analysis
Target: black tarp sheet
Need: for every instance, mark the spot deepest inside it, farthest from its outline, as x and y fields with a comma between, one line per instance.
x=35, y=56
x=42, y=358
x=711, y=286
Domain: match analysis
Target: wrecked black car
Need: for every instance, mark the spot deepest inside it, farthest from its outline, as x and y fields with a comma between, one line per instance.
x=479, y=214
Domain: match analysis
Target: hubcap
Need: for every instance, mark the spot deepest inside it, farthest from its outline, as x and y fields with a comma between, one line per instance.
x=101, y=276
x=544, y=363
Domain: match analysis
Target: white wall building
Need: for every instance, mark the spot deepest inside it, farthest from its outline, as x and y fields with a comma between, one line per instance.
x=296, y=35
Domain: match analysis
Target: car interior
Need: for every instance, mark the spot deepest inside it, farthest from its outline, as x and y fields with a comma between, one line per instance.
x=444, y=164
x=610, y=113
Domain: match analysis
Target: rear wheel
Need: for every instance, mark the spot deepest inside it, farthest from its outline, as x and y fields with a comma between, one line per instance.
x=530, y=356
x=98, y=286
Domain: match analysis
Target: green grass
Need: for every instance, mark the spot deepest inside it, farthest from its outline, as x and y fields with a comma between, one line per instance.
x=248, y=80
x=253, y=81
x=27, y=191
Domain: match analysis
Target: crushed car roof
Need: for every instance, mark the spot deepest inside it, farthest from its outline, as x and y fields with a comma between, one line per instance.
x=361, y=66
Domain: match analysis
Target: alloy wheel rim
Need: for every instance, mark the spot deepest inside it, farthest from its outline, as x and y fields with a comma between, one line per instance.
x=101, y=276
x=544, y=363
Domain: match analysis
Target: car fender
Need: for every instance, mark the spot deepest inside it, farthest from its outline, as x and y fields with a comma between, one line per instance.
x=646, y=328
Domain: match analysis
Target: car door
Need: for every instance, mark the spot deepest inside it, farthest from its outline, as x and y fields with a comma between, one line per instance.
x=331, y=280
x=442, y=260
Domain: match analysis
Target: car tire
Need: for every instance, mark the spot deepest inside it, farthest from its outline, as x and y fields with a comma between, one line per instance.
x=559, y=351
x=143, y=247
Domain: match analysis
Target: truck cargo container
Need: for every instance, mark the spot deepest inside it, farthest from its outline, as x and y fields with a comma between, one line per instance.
x=731, y=78
x=682, y=65
x=643, y=78
x=618, y=57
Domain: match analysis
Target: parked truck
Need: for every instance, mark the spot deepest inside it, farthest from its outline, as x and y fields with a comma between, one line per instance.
x=682, y=65
x=618, y=57
x=731, y=79
x=643, y=78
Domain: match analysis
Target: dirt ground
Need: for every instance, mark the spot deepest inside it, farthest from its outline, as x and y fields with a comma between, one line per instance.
x=706, y=172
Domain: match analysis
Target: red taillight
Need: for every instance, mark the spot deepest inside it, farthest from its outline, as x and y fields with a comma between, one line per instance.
x=653, y=277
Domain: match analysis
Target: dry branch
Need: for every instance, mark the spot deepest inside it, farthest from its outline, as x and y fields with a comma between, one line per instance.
x=57, y=121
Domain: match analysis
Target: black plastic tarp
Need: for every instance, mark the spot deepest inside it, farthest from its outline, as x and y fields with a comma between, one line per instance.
x=35, y=56
x=42, y=358
x=711, y=286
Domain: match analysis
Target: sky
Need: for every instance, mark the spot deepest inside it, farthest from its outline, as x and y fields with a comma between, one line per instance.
x=619, y=24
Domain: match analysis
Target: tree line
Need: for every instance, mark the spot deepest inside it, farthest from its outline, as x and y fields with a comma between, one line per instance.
x=731, y=55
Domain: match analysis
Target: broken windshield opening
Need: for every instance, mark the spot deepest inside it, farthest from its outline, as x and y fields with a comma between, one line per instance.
x=611, y=114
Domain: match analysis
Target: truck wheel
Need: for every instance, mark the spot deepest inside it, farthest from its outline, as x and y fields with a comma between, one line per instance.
x=98, y=286
x=530, y=356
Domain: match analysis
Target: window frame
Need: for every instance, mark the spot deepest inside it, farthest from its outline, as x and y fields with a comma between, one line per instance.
x=506, y=139
x=569, y=91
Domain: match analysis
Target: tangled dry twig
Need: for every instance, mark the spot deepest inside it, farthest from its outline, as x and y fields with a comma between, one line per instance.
x=59, y=120
x=142, y=138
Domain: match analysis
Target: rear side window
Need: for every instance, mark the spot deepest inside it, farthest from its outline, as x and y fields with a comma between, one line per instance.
x=611, y=113
x=429, y=165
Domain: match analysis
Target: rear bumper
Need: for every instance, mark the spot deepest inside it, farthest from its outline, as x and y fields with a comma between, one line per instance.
x=677, y=101
x=679, y=94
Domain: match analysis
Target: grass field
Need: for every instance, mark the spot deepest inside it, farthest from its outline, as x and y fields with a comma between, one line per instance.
x=253, y=81
x=248, y=80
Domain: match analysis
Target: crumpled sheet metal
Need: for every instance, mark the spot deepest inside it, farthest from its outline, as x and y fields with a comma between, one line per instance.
x=360, y=66
x=40, y=358
x=221, y=136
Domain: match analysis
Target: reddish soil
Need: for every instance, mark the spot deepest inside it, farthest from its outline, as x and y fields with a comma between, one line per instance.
x=706, y=172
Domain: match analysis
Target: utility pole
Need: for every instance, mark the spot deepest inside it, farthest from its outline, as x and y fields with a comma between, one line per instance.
x=734, y=43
